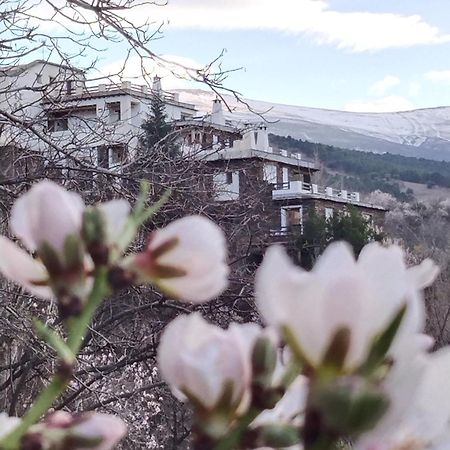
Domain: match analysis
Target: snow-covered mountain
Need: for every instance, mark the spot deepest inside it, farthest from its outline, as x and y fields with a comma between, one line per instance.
x=420, y=133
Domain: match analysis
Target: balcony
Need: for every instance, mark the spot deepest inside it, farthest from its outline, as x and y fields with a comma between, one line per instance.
x=299, y=189
x=282, y=235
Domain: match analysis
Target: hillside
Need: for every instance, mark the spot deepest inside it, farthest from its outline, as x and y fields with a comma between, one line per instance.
x=404, y=177
x=421, y=133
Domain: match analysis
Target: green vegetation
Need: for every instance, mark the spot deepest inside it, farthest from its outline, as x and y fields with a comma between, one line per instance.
x=319, y=232
x=367, y=171
x=158, y=134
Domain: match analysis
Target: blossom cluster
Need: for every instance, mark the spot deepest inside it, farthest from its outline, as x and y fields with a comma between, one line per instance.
x=341, y=355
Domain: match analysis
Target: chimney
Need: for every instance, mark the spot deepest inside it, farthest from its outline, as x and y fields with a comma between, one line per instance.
x=262, y=139
x=156, y=86
x=217, y=112
x=248, y=140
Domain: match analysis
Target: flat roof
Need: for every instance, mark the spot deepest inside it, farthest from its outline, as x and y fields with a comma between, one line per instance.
x=234, y=154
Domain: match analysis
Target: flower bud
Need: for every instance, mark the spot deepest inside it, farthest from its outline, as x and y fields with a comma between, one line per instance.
x=65, y=431
x=207, y=365
x=264, y=360
x=349, y=405
x=186, y=260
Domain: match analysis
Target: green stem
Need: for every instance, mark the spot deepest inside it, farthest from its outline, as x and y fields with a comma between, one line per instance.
x=233, y=440
x=77, y=330
x=40, y=406
x=78, y=326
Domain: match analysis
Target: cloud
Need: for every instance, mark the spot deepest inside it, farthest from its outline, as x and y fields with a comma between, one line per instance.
x=380, y=87
x=438, y=76
x=392, y=103
x=414, y=88
x=174, y=73
x=356, y=31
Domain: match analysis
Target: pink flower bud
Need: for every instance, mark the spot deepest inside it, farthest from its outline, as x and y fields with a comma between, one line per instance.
x=187, y=260
x=47, y=213
x=202, y=362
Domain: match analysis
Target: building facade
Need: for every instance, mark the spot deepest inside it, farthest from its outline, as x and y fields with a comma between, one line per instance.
x=99, y=124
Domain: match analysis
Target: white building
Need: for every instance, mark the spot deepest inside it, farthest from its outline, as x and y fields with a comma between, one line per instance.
x=59, y=109
x=98, y=123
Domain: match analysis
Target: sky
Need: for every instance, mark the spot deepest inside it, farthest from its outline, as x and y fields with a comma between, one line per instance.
x=356, y=55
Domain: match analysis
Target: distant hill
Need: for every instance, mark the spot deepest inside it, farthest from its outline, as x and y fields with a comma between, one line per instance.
x=398, y=175
x=421, y=133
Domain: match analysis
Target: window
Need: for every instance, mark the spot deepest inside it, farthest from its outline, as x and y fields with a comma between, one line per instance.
x=226, y=186
x=116, y=155
x=110, y=156
x=270, y=173
x=329, y=213
x=114, y=112
x=103, y=157
x=58, y=122
x=69, y=87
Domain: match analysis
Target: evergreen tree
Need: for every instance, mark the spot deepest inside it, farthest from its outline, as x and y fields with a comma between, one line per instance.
x=158, y=134
x=318, y=233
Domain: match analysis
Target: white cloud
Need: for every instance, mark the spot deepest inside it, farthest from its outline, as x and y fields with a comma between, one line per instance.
x=438, y=76
x=414, y=88
x=390, y=103
x=175, y=71
x=380, y=87
x=356, y=31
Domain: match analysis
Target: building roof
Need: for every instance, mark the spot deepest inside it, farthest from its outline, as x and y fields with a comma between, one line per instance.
x=203, y=122
x=236, y=154
x=20, y=68
x=115, y=89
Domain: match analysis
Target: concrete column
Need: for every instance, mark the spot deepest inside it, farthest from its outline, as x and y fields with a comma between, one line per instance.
x=125, y=109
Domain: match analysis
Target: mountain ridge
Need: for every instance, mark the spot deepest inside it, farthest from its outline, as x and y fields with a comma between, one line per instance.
x=422, y=133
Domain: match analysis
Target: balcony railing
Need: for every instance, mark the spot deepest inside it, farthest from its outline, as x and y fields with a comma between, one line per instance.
x=293, y=189
x=110, y=88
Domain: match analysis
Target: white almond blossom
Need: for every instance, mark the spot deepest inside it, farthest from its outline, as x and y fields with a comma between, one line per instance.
x=48, y=214
x=419, y=414
x=107, y=428
x=7, y=424
x=290, y=409
x=340, y=293
x=202, y=361
x=186, y=259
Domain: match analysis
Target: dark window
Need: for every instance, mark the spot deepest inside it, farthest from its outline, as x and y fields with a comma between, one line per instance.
x=114, y=112
x=103, y=157
x=58, y=122
x=69, y=87
x=229, y=177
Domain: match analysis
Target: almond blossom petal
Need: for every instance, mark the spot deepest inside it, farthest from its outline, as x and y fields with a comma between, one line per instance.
x=46, y=213
x=424, y=274
x=110, y=429
x=361, y=296
x=187, y=260
x=201, y=360
x=7, y=424
x=19, y=267
x=116, y=213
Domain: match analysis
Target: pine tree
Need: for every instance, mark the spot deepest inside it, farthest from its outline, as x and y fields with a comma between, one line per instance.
x=158, y=134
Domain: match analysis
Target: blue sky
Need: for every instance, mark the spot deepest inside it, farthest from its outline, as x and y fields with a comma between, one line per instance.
x=340, y=54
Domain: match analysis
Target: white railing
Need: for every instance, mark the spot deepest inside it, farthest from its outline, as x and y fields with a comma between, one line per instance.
x=292, y=189
x=112, y=88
